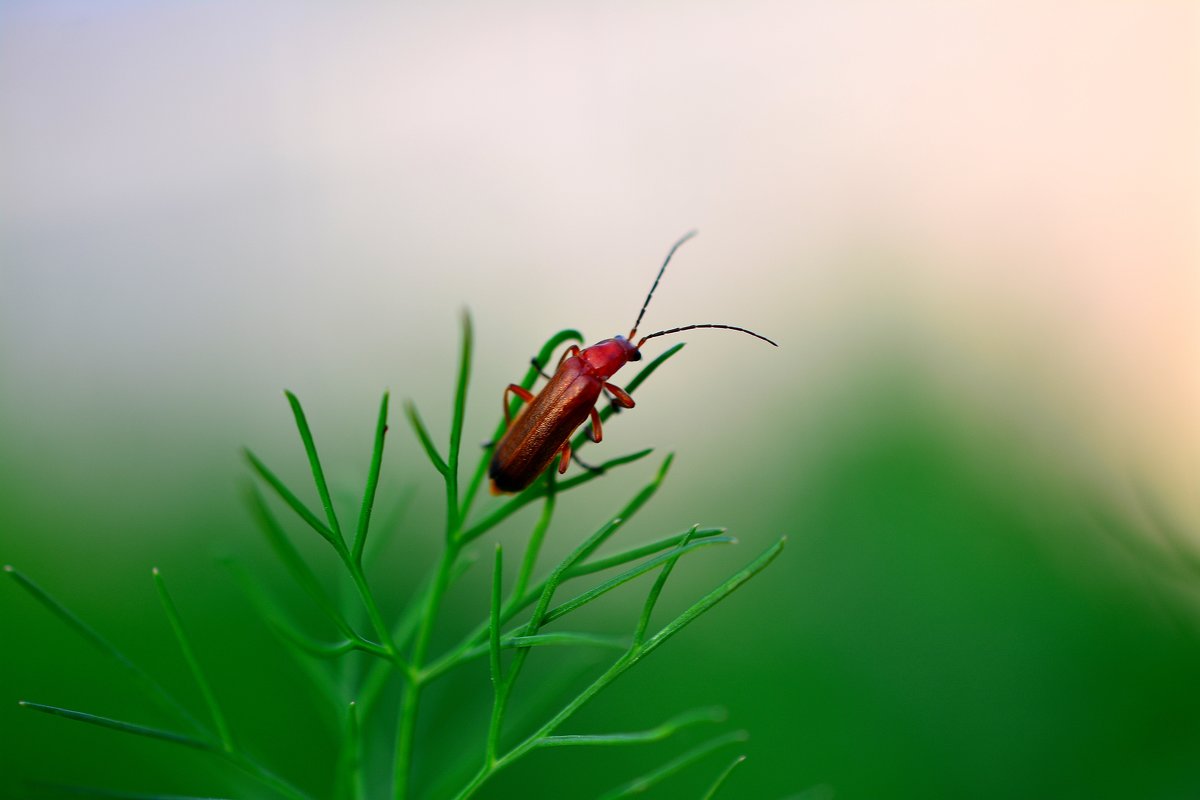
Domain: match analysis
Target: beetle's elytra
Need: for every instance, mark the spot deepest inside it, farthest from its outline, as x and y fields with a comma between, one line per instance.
x=543, y=428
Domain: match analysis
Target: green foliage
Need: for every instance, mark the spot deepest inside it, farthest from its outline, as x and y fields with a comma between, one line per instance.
x=510, y=633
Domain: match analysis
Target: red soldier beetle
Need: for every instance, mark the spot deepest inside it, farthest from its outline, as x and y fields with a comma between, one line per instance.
x=543, y=428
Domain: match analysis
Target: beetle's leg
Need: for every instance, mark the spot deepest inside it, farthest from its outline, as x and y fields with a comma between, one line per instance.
x=573, y=350
x=597, y=431
x=620, y=396
x=538, y=367
x=613, y=408
x=520, y=392
x=565, y=457
x=585, y=465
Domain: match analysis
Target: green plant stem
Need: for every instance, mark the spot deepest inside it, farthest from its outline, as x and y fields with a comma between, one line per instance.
x=498, y=682
x=471, y=646
x=412, y=690
x=403, y=632
x=636, y=652
x=534, y=548
x=377, y=622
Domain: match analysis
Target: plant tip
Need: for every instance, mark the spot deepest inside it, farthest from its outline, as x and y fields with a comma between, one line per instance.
x=8, y=567
x=22, y=703
x=154, y=571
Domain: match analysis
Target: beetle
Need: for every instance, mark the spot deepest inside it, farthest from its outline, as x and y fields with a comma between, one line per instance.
x=543, y=428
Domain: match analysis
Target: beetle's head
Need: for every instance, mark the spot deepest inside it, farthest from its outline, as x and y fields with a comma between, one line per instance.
x=632, y=353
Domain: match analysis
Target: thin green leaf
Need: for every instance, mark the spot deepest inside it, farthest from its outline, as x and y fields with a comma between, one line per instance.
x=295, y=564
x=504, y=687
x=595, y=592
x=310, y=448
x=655, y=734
x=724, y=776
x=538, y=491
x=639, y=633
x=566, y=639
x=676, y=765
x=284, y=629
x=470, y=651
x=290, y=498
x=575, y=556
x=712, y=598
x=622, y=665
x=593, y=543
x=634, y=553
x=160, y=694
x=119, y=725
x=368, y=502
x=189, y=655
x=414, y=418
x=453, y=515
x=466, y=649
x=114, y=794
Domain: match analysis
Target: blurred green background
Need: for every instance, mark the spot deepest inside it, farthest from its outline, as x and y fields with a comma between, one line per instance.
x=972, y=230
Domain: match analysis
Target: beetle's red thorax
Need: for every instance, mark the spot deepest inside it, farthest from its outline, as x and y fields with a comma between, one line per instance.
x=604, y=358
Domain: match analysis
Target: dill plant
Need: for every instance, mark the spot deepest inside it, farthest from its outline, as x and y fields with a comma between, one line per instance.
x=510, y=631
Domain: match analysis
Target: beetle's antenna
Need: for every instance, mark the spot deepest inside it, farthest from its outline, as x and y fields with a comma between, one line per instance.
x=657, y=278
x=706, y=325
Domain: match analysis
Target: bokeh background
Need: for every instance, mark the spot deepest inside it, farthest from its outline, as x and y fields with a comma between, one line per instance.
x=971, y=226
